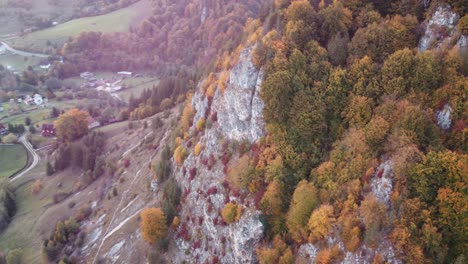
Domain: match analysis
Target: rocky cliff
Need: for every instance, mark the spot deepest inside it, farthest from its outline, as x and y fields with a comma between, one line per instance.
x=439, y=29
x=202, y=235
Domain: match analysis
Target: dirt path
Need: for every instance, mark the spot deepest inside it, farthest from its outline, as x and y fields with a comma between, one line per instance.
x=31, y=150
x=23, y=53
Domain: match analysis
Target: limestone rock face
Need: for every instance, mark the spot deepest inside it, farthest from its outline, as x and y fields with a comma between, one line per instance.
x=202, y=236
x=240, y=107
x=439, y=29
x=444, y=117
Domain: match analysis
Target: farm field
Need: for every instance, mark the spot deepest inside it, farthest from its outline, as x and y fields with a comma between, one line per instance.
x=117, y=21
x=135, y=85
x=40, y=115
x=12, y=159
x=16, y=62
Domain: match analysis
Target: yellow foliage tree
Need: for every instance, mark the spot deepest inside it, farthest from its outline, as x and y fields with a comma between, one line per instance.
x=197, y=150
x=231, y=213
x=153, y=225
x=280, y=253
x=187, y=114
x=72, y=125
x=304, y=200
x=165, y=104
x=200, y=124
x=320, y=222
x=180, y=154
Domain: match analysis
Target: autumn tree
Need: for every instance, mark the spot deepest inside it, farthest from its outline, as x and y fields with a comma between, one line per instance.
x=180, y=153
x=279, y=253
x=72, y=125
x=374, y=214
x=231, y=213
x=304, y=200
x=320, y=222
x=153, y=225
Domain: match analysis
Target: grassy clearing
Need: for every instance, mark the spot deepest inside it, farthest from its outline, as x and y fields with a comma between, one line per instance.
x=113, y=129
x=19, y=233
x=39, y=115
x=17, y=62
x=117, y=21
x=137, y=86
x=35, y=217
x=12, y=159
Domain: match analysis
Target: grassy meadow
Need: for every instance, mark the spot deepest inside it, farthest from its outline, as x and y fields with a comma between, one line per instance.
x=12, y=159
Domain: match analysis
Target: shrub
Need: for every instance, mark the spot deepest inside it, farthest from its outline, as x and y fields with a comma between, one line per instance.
x=153, y=225
x=14, y=256
x=198, y=148
x=165, y=104
x=200, y=124
x=180, y=154
x=10, y=138
x=231, y=213
x=37, y=187
x=192, y=173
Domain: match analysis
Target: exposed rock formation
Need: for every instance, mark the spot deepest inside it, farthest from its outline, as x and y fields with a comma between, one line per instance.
x=381, y=183
x=240, y=108
x=202, y=235
x=439, y=29
x=444, y=119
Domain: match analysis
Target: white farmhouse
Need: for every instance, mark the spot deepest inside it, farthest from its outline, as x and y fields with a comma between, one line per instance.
x=38, y=99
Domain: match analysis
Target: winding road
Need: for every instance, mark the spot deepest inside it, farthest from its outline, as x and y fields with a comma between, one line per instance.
x=23, y=53
x=35, y=161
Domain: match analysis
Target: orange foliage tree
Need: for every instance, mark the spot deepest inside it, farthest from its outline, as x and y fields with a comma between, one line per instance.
x=72, y=125
x=153, y=225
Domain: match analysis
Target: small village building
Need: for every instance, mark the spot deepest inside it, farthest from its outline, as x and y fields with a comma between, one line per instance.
x=93, y=123
x=86, y=75
x=38, y=100
x=45, y=66
x=48, y=130
x=125, y=73
x=28, y=100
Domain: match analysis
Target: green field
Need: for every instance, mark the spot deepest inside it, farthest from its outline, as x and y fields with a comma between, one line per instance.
x=12, y=159
x=40, y=115
x=117, y=21
x=17, y=62
x=137, y=86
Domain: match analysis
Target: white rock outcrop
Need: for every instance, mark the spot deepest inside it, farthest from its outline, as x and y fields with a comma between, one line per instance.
x=444, y=117
x=240, y=108
x=381, y=183
x=439, y=29
x=239, y=117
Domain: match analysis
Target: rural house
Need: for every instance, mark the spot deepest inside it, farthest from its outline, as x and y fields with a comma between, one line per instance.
x=93, y=123
x=48, y=130
x=38, y=99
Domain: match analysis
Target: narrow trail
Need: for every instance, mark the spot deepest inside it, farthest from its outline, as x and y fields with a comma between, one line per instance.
x=109, y=232
x=35, y=161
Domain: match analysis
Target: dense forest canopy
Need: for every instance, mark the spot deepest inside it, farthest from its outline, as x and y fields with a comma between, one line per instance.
x=178, y=35
x=349, y=98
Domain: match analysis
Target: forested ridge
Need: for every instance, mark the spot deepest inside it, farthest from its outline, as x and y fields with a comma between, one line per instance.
x=183, y=35
x=351, y=103
x=366, y=147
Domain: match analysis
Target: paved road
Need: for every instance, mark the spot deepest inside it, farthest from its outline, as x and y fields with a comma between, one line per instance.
x=23, y=53
x=31, y=150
